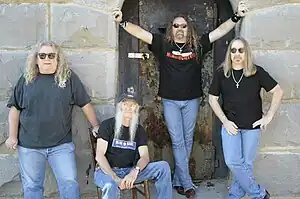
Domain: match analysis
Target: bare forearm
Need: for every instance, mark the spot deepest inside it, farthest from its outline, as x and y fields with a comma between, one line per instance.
x=138, y=32
x=143, y=162
x=226, y=27
x=13, y=120
x=217, y=110
x=90, y=114
x=103, y=163
x=222, y=30
x=275, y=103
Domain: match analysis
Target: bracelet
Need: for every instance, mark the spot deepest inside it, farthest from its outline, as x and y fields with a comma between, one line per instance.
x=123, y=24
x=235, y=18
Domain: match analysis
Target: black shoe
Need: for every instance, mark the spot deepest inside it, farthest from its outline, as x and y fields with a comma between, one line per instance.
x=190, y=193
x=267, y=196
x=179, y=189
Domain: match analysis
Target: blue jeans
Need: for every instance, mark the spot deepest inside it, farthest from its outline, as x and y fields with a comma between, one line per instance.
x=158, y=171
x=62, y=161
x=180, y=119
x=239, y=153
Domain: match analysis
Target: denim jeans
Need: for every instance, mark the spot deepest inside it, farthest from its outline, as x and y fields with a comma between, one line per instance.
x=158, y=171
x=180, y=119
x=62, y=161
x=239, y=153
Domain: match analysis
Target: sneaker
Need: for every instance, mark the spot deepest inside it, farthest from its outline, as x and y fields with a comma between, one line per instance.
x=190, y=193
x=179, y=189
x=267, y=196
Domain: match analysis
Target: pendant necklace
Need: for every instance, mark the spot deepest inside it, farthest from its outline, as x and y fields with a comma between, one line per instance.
x=180, y=48
x=237, y=83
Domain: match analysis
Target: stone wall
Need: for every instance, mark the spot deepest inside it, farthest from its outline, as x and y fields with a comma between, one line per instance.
x=272, y=29
x=88, y=35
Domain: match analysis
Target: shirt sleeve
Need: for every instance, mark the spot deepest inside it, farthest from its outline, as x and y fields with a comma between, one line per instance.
x=265, y=79
x=205, y=43
x=79, y=94
x=156, y=46
x=105, y=130
x=16, y=99
x=142, y=137
x=215, y=87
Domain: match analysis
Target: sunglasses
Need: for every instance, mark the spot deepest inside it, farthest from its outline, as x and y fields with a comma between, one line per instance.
x=44, y=55
x=176, y=25
x=234, y=50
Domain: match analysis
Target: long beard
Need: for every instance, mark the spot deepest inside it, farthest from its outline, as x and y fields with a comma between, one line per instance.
x=118, y=124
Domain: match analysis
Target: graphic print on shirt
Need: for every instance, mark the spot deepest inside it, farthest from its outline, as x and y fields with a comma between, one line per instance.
x=181, y=56
x=122, y=144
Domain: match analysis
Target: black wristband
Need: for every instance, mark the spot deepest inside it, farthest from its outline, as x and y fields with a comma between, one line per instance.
x=235, y=18
x=123, y=24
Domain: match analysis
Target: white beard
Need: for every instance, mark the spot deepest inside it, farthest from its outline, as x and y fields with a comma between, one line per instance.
x=118, y=123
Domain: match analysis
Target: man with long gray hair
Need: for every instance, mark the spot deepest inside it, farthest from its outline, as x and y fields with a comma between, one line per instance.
x=180, y=55
x=239, y=82
x=122, y=154
x=40, y=121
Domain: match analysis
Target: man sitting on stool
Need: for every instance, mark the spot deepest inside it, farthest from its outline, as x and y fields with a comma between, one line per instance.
x=122, y=154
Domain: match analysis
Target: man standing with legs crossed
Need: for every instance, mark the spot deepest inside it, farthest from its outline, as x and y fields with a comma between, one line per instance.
x=239, y=82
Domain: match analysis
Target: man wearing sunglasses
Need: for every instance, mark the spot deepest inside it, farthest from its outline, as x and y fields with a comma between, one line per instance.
x=239, y=82
x=180, y=54
x=40, y=121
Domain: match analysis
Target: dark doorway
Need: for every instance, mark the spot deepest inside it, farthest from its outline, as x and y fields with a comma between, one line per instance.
x=206, y=161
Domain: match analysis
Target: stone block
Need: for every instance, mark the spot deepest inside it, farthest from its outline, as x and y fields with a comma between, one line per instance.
x=25, y=24
x=279, y=172
x=12, y=64
x=74, y=26
x=100, y=4
x=257, y=4
x=275, y=27
x=97, y=71
x=284, y=129
x=9, y=168
x=3, y=122
x=284, y=67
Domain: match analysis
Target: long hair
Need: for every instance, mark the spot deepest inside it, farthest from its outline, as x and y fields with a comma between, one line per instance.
x=118, y=122
x=192, y=39
x=249, y=69
x=62, y=73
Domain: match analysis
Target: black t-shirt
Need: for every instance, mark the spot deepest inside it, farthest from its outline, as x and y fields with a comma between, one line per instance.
x=46, y=109
x=180, y=76
x=242, y=105
x=121, y=152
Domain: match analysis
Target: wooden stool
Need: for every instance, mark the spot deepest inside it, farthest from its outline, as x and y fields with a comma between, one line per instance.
x=145, y=184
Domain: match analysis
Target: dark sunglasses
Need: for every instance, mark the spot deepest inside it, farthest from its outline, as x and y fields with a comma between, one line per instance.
x=234, y=50
x=44, y=55
x=176, y=25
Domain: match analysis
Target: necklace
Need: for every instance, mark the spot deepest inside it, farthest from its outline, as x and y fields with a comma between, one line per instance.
x=180, y=48
x=237, y=83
